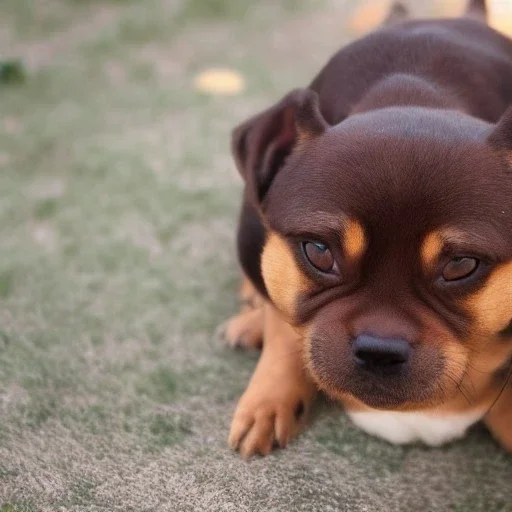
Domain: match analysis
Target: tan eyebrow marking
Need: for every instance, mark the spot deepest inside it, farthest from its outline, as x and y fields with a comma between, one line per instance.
x=436, y=241
x=354, y=240
x=431, y=248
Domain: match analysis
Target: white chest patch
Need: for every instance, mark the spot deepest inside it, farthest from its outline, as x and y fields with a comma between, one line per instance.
x=410, y=427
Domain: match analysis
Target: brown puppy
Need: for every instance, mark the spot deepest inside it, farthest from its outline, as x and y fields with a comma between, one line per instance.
x=376, y=230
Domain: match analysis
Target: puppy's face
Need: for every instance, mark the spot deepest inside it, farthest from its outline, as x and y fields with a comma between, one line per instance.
x=390, y=248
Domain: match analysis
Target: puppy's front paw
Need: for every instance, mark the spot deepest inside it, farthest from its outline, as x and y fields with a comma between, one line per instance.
x=245, y=330
x=268, y=416
x=273, y=408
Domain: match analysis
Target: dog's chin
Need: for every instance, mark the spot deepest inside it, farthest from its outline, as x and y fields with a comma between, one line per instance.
x=405, y=401
x=397, y=395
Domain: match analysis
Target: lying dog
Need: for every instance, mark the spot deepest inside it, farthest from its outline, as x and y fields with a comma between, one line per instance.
x=376, y=239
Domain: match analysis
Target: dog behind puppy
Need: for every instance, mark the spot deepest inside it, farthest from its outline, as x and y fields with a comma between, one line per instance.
x=376, y=239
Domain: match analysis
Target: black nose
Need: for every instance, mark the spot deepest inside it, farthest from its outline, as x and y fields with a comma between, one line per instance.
x=373, y=352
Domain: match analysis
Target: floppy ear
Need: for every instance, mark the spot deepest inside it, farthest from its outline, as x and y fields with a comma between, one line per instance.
x=501, y=135
x=261, y=144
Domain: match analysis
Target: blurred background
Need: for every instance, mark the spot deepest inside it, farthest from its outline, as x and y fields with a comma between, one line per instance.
x=118, y=209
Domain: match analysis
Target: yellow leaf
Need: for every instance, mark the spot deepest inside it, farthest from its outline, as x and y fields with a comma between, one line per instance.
x=219, y=81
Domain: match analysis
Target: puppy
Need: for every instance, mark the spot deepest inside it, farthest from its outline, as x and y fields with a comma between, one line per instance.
x=376, y=239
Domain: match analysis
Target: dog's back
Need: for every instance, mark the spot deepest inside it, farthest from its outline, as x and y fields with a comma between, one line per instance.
x=459, y=63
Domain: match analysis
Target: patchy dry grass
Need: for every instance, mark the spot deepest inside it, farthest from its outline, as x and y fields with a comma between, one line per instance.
x=118, y=204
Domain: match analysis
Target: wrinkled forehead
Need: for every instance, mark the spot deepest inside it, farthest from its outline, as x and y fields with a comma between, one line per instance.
x=392, y=180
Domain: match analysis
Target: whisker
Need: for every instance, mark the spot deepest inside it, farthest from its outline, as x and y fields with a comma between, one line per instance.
x=460, y=385
x=508, y=376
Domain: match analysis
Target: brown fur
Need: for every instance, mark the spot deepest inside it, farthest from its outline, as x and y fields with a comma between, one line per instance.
x=406, y=134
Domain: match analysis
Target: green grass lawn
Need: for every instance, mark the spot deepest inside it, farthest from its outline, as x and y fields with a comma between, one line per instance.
x=118, y=205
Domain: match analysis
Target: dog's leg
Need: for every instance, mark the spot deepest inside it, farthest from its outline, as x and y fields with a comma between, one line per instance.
x=250, y=297
x=279, y=395
x=477, y=9
x=246, y=329
x=499, y=418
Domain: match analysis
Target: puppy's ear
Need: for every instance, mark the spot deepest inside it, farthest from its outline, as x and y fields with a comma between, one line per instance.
x=261, y=144
x=397, y=14
x=477, y=9
x=501, y=135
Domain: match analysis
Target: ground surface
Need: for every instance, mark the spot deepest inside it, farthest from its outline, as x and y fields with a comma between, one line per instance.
x=118, y=204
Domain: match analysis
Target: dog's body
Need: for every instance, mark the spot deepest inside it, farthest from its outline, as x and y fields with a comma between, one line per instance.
x=376, y=230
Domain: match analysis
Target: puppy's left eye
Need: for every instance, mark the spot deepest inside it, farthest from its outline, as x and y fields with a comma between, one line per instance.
x=319, y=256
x=460, y=268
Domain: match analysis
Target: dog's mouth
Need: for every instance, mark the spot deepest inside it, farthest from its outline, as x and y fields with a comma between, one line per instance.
x=391, y=383
x=402, y=393
x=386, y=392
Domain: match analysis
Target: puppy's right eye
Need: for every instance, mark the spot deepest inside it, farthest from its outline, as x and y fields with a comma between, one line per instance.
x=319, y=256
x=459, y=268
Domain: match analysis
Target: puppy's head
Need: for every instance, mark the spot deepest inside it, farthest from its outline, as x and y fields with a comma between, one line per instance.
x=389, y=244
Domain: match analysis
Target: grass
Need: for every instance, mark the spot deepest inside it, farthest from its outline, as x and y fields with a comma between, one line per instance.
x=17, y=507
x=118, y=204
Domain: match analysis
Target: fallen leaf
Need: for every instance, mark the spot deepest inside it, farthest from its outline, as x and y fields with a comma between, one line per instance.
x=219, y=81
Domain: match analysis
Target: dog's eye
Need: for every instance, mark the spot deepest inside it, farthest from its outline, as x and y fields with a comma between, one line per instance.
x=319, y=256
x=459, y=268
